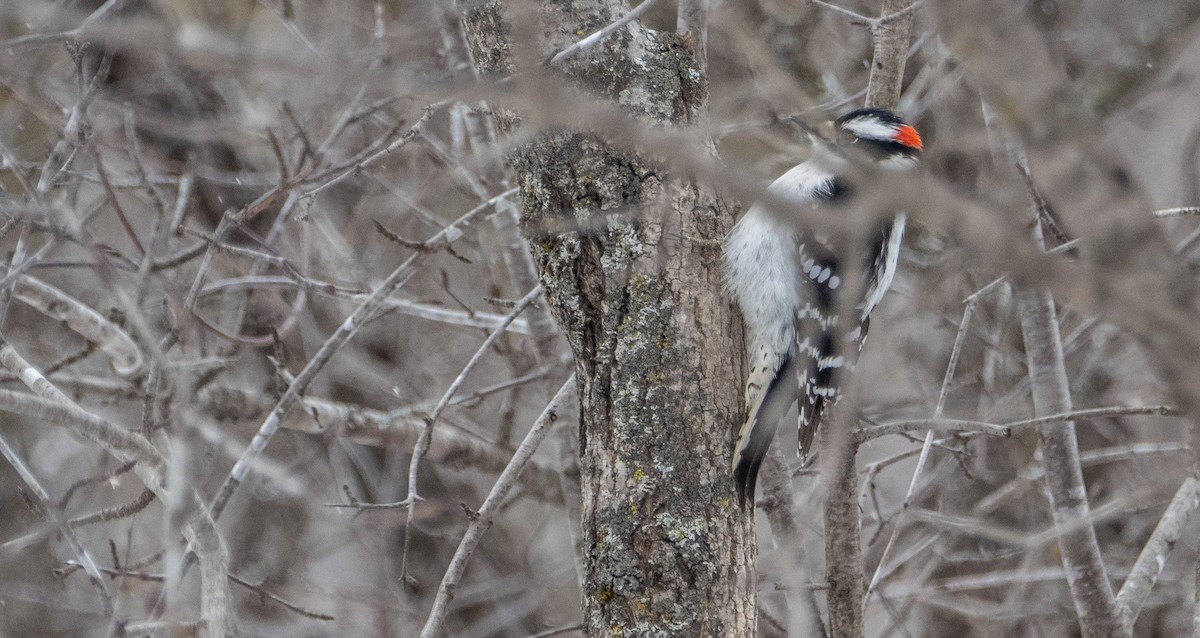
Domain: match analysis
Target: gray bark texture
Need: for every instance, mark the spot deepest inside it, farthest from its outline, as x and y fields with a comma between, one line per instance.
x=630, y=258
x=1065, y=489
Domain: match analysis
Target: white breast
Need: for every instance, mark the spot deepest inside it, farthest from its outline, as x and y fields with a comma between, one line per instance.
x=762, y=265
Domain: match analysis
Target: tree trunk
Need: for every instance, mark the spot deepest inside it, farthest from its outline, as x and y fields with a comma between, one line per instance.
x=630, y=258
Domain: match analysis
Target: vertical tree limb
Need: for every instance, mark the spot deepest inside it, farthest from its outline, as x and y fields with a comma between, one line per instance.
x=691, y=24
x=803, y=614
x=1086, y=574
x=891, y=52
x=843, y=533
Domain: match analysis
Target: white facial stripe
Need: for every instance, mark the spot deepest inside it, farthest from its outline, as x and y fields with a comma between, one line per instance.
x=870, y=128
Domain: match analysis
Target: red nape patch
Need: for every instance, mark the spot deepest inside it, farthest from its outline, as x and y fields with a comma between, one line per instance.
x=909, y=137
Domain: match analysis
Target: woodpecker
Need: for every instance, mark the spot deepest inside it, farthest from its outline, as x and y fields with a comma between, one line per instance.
x=786, y=281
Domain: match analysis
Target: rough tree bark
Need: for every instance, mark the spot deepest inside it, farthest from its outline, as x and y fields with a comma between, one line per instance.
x=634, y=279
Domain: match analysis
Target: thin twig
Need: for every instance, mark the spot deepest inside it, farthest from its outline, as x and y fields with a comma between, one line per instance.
x=113, y=513
x=482, y=519
x=423, y=440
x=122, y=216
x=1178, y=212
x=947, y=378
x=1153, y=558
x=366, y=312
x=594, y=38
x=358, y=163
x=259, y=591
x=1005, y=429
x=56, y=516
x=1155, y=410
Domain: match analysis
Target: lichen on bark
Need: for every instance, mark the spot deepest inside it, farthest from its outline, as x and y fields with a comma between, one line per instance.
x=629, y=256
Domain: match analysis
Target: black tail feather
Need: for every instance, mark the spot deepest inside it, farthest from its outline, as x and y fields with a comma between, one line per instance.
x=779, y=398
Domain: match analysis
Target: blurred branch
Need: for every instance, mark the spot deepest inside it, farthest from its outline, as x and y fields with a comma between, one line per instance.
x=512, y=257
x=777, y=502
x=1086, y=574
x=599, y=36
x=691, y=25
x=1178, y=212
x=50, y=404
x=1088, y=580
x=571, y=488
x=424, y=439
x=1153, y=558
x=1005, y=429
x=482, y=519
x=843, y=523
x=947, y=378
x=365, y=313
x=51, y=510
x=121, y=349
x=513, y=250
x=858, y=18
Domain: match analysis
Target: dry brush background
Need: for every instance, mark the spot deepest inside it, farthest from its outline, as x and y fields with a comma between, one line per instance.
x=222, y=218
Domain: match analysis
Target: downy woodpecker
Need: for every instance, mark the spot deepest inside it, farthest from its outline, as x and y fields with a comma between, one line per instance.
x=786, y=280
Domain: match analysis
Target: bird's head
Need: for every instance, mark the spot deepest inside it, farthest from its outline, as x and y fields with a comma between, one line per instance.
x=881, y=134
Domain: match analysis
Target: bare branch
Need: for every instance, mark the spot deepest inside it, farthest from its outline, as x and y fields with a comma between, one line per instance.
x=1005, y=429
x=367, y=311
x=599, y=36
x=1087, y=576
x=51, y=509
x=1153, y=558
x=421, y=447
x=123, y=352
x=256, y=589
x=1178, y=212
x=843, y=526
x=487, y=512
